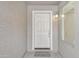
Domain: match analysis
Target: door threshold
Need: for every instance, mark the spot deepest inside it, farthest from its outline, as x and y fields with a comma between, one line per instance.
x=42, y=48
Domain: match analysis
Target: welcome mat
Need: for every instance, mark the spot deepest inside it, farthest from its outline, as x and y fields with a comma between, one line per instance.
x=42, y=54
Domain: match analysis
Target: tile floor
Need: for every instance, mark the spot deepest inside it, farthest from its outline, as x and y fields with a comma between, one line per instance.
x=42, y=54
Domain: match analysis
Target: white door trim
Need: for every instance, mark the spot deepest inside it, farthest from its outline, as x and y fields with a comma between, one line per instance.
x=51, y=23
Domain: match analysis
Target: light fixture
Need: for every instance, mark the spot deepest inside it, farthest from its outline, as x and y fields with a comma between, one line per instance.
x=62, y=15
x=56, y=16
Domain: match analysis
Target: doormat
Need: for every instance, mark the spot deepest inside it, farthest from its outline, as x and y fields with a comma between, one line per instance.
x=42, y=54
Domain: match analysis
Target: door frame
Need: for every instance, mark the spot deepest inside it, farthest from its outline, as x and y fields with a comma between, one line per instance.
x=51, y=23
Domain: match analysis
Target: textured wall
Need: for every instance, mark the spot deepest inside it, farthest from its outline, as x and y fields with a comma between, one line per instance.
x=12, y=29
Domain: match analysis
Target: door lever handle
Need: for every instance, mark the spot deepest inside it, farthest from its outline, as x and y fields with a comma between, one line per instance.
x=49, y=34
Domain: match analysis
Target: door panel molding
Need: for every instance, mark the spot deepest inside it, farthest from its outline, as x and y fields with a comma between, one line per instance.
x=33, y=26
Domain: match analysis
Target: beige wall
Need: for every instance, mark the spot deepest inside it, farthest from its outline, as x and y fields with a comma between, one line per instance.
x=69, y=26
x=12, y=29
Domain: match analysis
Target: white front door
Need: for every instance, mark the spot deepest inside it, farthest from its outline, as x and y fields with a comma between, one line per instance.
x=42, y=30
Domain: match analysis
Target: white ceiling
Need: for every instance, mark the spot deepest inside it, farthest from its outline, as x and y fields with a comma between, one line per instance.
x=42, y=2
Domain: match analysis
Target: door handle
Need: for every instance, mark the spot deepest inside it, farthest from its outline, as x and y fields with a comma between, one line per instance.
x=49, y=34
